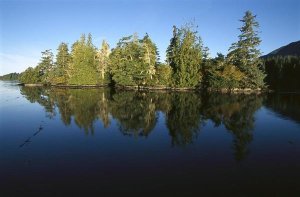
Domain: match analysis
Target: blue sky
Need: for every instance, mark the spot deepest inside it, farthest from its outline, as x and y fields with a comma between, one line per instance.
x=28, y=27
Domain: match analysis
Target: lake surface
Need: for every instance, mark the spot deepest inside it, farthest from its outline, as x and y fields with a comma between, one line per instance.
x=83, y=142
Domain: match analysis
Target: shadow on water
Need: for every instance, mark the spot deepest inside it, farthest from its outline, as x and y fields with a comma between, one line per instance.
x=136, y=112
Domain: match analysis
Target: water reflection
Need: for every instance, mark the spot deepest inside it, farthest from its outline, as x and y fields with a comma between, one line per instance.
x=285, y=105
x=136, y=112
x=188, y=141
x=236, y=113
x=184, y=117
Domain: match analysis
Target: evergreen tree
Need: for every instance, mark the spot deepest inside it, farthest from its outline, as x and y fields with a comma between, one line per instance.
x=184, y=55
x=61, y=65
x=103, y=62
x=10, y=76
x=83, y=67
x=124, y=61
x=244, y=54
x=30, y=76
x=163, y=74
x=45, y=67
x=172, y=50
x=133, y=61
x=283, y=73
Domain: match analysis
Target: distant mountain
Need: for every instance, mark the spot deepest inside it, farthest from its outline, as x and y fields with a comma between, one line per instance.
x=10, y=76
x=292, y=49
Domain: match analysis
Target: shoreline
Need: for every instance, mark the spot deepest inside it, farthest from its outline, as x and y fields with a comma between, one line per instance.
x=156, y=88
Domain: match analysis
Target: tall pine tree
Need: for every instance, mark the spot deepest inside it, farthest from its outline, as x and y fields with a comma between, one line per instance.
x=45, y=67
x=245, y=54
x=61, y=65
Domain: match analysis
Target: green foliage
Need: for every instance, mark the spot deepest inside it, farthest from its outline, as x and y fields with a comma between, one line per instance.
x=245, y=55
x=163, y=75
x=63, y=58
x=150, y=57
x=184, y=55
x=30, y=76
x=83, y=67
x=10, y=77
x=46, y=66
x=133, y=61
x=283, y=73
x=42, y=73
x=221, y=74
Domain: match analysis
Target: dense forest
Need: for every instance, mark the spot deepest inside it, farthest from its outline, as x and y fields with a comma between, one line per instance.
x=135, y=62
x=283, y=73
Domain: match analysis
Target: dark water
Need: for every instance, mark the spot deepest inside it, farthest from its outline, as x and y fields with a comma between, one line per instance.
x=102, y=142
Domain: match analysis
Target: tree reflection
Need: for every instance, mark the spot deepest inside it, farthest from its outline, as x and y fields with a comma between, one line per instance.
x=287, y=105
x=184, y=117
x=136, y=112
x=41, y=96
x=84, y=105
x=236, y=113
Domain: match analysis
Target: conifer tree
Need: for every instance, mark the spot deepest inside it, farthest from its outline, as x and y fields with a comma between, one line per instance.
x=245, y=54
x=61, y=65
x=45, y=67
x=83, y=69
x=133, y=61
x=30, y=76
x=184, y=55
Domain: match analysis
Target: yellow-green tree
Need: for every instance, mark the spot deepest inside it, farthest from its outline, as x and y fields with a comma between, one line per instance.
x=62, y=63
x=83, y=66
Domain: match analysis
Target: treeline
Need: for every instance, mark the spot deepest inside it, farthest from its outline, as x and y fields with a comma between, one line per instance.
x=135, y=62
x=283, y=73
x=10, y=76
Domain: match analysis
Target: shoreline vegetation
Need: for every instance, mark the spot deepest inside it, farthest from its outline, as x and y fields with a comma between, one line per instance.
x=134, y=64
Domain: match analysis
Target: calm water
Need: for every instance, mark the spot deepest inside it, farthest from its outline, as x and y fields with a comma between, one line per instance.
x=69, y=142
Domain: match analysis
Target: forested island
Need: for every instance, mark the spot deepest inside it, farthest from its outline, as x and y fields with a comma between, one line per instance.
x=134, y=63
x=10, y=77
